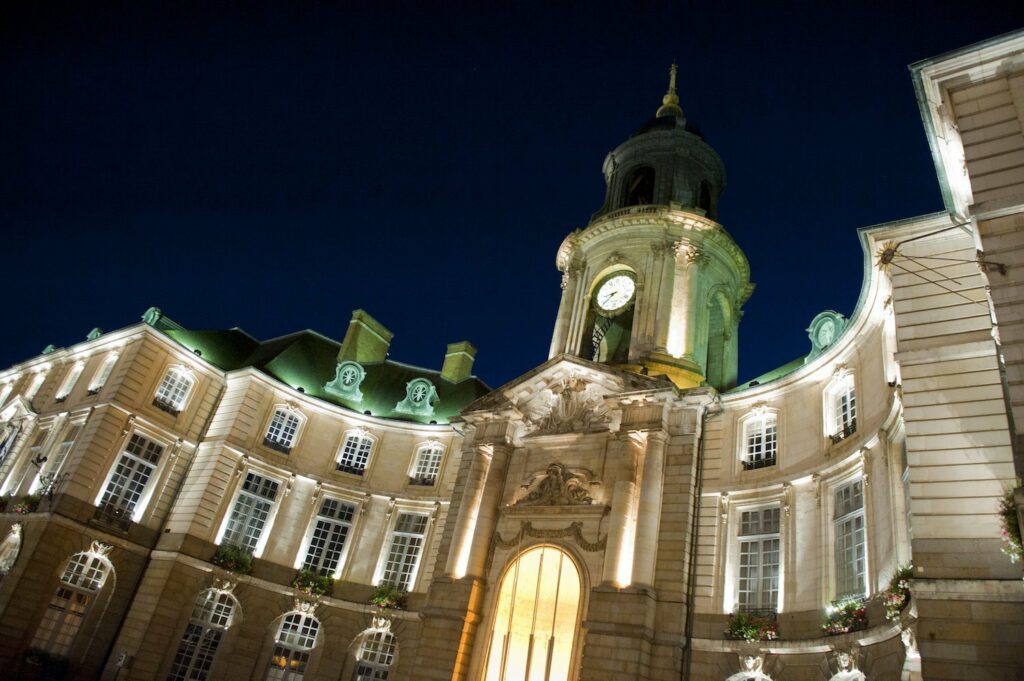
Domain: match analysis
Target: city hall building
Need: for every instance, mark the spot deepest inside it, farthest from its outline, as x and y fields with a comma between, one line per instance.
x=185, y=504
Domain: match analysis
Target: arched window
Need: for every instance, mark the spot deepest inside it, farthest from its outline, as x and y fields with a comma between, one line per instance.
x=295, y=639
x=428, y=463
x=10, y=549
x=704, y=197
x=84, y=576
x=535, y=618
x=639, y=188
x=355, y=453
x=283, y=429
x=212, y=615
x=376, y=654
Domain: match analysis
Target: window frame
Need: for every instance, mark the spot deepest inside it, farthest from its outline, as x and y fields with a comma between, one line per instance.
x=857, y=478
x=301, y=560
x=288, y=411
x=388, y=546
x=84, y=596
x=380, y=637
x=37, y=444
x=424, y=479
x=759, y=415
x=53, y=465
x=205, y=626
x=185, y=375
x=364, y=435
x=71, y=379
x=760, y=538
x=35, y=384
x=103, y=372
x=286, y=674
x=838, y=428
x=120, y=515
x=268, y=521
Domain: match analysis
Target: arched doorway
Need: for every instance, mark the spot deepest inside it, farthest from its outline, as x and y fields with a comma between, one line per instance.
x=535, y=619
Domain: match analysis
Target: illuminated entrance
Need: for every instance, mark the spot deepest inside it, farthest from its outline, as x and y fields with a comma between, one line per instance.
x=535, y=622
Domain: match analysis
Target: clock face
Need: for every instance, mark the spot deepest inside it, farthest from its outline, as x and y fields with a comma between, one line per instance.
x=826, y=333
x=615, y=293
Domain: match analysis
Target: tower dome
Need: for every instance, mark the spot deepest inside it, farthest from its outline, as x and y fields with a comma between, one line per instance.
x=666, y=162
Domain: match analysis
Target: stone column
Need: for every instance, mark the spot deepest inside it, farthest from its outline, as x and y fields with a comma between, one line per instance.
x=618, y=561
x=570, y=282
x=466, y=522
x=487, y=509
x=648, y=518
x=664, y=253
x=682, y=336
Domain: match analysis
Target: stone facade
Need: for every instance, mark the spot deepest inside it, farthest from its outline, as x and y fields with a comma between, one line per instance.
x=609, y=514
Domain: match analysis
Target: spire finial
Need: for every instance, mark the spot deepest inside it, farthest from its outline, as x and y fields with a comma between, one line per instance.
x=670, y=102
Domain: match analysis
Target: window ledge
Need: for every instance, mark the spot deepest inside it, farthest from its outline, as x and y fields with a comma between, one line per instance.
x=276, y=446
x=423, y=480
x=345, y=468
x=113, y=517
x=166, y=406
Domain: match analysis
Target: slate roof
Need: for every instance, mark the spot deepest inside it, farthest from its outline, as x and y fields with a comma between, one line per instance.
x=307, y=360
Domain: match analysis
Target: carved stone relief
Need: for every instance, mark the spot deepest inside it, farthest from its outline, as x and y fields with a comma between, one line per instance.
x=569, y=405
x=558, y=487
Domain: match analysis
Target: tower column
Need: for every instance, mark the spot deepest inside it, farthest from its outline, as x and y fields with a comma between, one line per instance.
x=570, y=282
x=682, y=336
x=666, y=271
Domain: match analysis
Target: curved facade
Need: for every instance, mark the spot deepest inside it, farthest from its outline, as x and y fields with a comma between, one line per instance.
x=182, y=504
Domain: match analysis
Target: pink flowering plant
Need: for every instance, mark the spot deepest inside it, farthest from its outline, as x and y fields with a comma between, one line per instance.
x=752, y=628
x=844, y=616
x=896, y=597
x=1012, y=545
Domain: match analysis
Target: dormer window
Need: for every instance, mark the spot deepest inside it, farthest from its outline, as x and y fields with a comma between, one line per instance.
x=427, y=464
x=174, y=390
x=283, y=429
x=420, y=396
x=69, y=382
x=760, y=441
x=639, y=188
x=355, y=453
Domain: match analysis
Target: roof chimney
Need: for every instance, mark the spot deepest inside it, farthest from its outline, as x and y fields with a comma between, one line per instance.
x=458, y=362
x=366, y=340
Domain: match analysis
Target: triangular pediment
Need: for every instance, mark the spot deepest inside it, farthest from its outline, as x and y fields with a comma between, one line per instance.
x=565, y=394
x=16, y=407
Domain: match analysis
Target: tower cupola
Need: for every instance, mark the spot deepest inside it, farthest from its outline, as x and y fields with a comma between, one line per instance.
x=653, y=283
x=666, y=162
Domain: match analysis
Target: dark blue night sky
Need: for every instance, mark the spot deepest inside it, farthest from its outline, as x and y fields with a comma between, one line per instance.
x=275, y=167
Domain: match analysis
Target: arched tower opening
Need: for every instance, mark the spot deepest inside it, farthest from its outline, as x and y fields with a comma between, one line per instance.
x=639, y=187
x=719, y=321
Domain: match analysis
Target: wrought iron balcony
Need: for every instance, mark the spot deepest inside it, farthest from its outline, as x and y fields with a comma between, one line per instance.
x=113, y=516
x=758, y=463
x=848, y=430
x=164, y=405
x=345, y=468
x=423, y=480
x=271, y=443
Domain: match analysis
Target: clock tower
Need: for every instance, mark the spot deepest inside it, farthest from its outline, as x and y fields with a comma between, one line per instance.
x=653, y=283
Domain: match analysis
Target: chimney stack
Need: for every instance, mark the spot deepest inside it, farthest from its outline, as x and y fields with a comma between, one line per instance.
x=458, y=362
x=366, y=340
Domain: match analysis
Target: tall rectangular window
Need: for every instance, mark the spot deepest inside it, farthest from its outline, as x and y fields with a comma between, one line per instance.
x=69, y=382
x=333, y=523
x=35, y=451
x=51, y=468
x=851, y=547
x=252, y=508
x=761, y=442
x=355, y=454
x=404, y=553
x=759, y=560
x=428, y=463
x=99, y=379
x=131, y=475
x=173, y=390
x=282, y=430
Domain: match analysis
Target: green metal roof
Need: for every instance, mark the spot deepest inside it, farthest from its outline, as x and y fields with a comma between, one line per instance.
x=307, y=360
